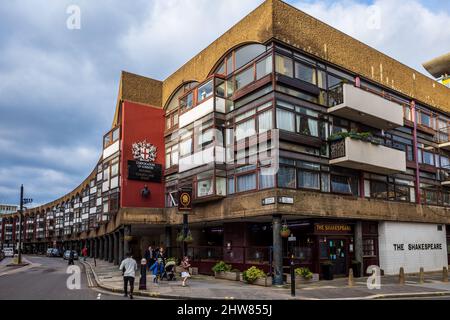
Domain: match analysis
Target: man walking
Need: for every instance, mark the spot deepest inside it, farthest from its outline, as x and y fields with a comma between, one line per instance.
x=128, y=267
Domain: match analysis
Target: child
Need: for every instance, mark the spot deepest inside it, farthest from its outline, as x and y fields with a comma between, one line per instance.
x=185, y=270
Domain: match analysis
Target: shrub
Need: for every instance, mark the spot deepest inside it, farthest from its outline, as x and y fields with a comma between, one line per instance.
x=221, y=267
x=304, y=272
x=252, y=274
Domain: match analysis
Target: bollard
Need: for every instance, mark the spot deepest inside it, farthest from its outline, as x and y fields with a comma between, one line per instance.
x=351, y=280
x=401, y=276
x=421, y=276
x=445, y=274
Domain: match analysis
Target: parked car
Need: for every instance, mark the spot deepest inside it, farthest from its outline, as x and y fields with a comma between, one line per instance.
x=9, y=252
x=56, y=253
x=67, y=255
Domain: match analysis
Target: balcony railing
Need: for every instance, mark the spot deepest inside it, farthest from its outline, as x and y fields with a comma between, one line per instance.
x=367, y=155
x=353, y=103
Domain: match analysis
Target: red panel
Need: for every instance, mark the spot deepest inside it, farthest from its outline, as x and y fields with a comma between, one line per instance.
x=140, y=123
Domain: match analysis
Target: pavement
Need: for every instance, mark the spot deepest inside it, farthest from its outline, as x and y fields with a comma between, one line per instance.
x=108, y=277
x=47, y=279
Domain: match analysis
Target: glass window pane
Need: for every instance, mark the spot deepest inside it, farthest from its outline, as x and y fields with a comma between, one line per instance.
x=205, y=188
x=307, y=126
x=284, y=66
x=265, y=122
x=245, y=129
x=264, y=67
x=116, y=134
x=308, y=180
x=186, y=147
x=244, y=78
x=286, y=177
x=205, y=91
x=266, y=178
x=247, y=53
x=246, y=183
x=305, y=73
x=285, y=120
x=325, y=182
x=230, y=185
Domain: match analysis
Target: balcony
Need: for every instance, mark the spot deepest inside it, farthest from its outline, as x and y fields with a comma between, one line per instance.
x=350, y=102
x=367, y=156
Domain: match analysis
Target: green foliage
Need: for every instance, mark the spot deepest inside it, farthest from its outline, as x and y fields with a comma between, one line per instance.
x=180, y=237
x=365, y=136
x=304, y=272
x=221, y=267
x=252, y=274
x=171, y=259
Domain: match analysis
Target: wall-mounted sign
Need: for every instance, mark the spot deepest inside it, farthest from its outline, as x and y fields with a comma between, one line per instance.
x=144, y=171
x=144, y=151
x=268, y=201
x=333, y=228
x=185, y=200
x=286, y=200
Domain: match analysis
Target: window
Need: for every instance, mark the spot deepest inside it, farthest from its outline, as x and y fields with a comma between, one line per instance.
x=186, y=147
x=307, y=126
x=265, y=122
x=205, y=188
x=425, y=119
x=308, y=180
x=369, y=248
x=247, y=53
x=346, y=185
x=378, y=190
x=245, y=129
x=286, y=177
x=244, y=78
x=116, y=134
x=266, y=178
x=205, y=91
x=246, y=182
x=284, y=66
x=264, y=67
x=305, y=73
x=285, y=120
x=230, y=185
x=188, y=101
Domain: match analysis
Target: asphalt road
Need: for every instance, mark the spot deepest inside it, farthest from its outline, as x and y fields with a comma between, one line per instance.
x=47, y=280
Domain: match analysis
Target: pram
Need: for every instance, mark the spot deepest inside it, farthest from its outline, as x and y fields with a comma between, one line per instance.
x=169, y=271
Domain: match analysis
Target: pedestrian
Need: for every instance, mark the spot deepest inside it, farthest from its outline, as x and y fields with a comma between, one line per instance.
x=185, y=265
x=156, y=271
x=84, y=253
x=128, y=267
x=143, y=279
x=149, y=256
x=71, y=257
x=162, y=262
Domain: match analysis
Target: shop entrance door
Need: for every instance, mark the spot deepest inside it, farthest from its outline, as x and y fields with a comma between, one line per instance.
x=338, y=255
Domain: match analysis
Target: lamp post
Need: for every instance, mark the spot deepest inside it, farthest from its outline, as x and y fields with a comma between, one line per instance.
x=291, y=241
x=22, y=202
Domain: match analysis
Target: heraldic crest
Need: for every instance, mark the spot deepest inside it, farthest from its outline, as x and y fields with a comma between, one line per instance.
x=144, y=151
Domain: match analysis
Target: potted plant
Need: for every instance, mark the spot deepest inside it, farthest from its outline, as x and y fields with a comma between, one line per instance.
x=224, y=271
x=180, y=237
x=304, y=273
x=327, y=270
x=189, y=238
x=256, y=276
x=285, y=232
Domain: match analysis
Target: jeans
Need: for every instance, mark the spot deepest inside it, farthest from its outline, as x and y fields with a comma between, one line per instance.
x=125, y=285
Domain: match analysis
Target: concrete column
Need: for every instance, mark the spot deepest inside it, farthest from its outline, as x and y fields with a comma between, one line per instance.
x=116, y=248
x=277, y=251
x=100, y=248
x=106, y=248
x=121, y=251
x=126, y=245
x=168, y=240
x=110, y=248
x=359, y=245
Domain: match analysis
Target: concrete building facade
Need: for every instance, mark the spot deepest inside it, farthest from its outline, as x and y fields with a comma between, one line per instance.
x=281, y=123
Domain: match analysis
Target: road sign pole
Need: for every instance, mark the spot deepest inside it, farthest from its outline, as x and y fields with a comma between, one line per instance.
x=19, y=255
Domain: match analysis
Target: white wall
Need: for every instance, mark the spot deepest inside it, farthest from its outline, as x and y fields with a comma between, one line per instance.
x=399, y=233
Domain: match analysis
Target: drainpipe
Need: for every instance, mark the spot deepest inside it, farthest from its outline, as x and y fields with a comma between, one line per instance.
x=416, y=153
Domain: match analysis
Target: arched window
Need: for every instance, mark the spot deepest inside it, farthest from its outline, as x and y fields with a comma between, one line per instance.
x=172, y=104
x=239, y=57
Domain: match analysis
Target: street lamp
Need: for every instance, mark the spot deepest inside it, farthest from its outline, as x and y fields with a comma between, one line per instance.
x=22, y=202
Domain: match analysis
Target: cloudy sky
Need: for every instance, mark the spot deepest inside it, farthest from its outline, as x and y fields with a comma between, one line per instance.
x=58, y=86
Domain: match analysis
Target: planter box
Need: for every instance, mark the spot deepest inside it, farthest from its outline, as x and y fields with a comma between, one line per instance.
x=264, y=282
x=227, y=275
x=301, y=281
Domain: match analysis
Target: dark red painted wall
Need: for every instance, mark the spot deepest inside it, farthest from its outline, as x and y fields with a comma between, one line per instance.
x=141, y=123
